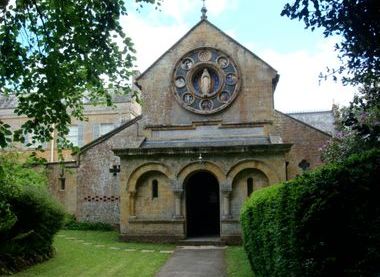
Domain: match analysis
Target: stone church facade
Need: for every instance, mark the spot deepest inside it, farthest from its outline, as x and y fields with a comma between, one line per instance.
x=207, y=138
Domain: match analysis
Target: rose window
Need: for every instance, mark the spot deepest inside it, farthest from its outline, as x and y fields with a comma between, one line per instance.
x=205, y=81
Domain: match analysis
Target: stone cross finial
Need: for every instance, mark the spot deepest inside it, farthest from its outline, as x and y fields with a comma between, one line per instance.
x=115, y=169
x=204, y=10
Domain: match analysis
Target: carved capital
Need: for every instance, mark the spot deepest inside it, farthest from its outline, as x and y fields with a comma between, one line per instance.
x=227, y=193
x=227, y=217
x=178, y=192
x=226, y=186
x=175, y=185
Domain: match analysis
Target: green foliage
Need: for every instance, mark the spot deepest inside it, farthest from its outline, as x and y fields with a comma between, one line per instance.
x=14, y=176
x=71, y=223
x=358, y=127
x=8, y=218
x=20, y=170
x=31, y=217
x=363, y=115
x=54, y=54
x=324, y=223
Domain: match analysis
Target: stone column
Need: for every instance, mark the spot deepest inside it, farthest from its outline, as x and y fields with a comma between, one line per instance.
x=178, y=203
x=226, y=204
x=226, y=191
x=132, y=204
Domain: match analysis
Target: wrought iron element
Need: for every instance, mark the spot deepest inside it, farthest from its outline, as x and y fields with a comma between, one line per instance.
x=204, y=10
x=304, y=165
x=115, y=169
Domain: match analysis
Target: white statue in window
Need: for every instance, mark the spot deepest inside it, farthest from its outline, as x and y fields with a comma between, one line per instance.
x=205, y=86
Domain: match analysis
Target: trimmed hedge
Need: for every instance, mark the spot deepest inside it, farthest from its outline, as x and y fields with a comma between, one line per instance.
x=70, y=223
x=29, y=217
x=324, y=223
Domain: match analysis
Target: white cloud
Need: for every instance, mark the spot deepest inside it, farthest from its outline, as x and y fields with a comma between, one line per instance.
x=151, y=40
x=300, y=88
x=178, y=9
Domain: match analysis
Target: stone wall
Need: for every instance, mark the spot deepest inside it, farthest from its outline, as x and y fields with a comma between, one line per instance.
x=154, y=208
x=240, y=188
x=63, y=184
x=306, y=141
x=98, y=190
x=254, y=101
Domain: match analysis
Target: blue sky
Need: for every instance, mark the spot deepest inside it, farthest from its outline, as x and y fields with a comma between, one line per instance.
x=298, y=54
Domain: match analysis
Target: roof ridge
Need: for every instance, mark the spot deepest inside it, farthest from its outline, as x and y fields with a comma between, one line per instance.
x=187, y=33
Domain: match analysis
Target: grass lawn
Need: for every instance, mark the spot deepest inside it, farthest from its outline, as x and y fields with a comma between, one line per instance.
x=237, y=262
x=90, y=253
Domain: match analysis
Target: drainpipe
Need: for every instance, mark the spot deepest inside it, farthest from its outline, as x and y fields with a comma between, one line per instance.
x=52, y=146
x=286, y=170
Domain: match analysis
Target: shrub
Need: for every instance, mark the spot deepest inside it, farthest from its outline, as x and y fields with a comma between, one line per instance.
x=71, y=223
x=31, y=217
x=324, y=223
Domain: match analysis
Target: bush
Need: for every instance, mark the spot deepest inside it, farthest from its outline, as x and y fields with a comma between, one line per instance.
x=324, y=223
x=31, y=217
x=71, y=223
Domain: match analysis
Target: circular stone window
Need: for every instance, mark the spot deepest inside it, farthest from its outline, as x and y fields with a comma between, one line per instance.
x=205, y=81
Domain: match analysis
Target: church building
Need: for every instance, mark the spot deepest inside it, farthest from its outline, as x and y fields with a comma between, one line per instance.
x=208, y=136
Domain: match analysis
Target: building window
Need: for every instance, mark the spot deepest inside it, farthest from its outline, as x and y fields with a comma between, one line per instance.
x=304, y=165
x=106, y=128
x=62, y=179
x=249, y=186
x=29, y=143
x=101, y=129
x=154, y=189
x=73, y=135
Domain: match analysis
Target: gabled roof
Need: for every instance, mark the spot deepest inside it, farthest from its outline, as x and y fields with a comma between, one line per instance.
x=8, y=102
x=322, y=120
x=203, y=21
x=304, y=123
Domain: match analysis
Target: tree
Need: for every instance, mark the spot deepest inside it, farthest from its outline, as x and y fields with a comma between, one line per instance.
x=53, y=53
x=357, y=23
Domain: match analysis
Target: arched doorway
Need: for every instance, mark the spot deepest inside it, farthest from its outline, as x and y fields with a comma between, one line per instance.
x=202, y=205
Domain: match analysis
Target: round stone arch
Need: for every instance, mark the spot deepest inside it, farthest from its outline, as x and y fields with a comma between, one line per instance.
x=271, y=174
x=145, y=168
x=212, y=168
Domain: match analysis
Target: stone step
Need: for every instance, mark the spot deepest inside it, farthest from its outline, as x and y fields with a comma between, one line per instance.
x=200, y=241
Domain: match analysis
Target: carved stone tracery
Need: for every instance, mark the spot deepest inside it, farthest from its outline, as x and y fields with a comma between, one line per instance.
x=205, y=81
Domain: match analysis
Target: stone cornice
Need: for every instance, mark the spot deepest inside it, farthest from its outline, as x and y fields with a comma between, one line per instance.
x=261, y=148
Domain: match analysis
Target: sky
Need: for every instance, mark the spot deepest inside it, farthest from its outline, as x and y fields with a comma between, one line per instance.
x=298, y=54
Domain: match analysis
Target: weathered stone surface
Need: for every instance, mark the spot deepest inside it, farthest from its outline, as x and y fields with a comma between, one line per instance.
x=255, y=99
